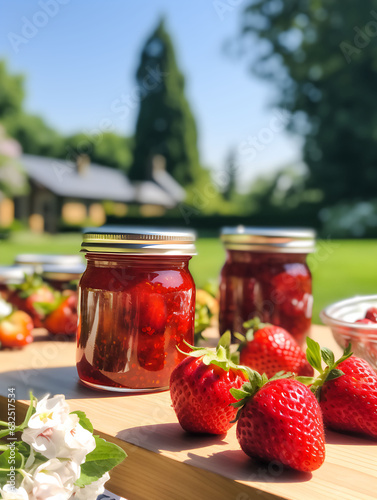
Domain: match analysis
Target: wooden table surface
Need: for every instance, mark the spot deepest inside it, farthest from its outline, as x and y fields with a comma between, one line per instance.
x=166, y=463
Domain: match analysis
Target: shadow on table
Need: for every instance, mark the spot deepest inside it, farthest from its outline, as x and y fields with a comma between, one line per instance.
x=348, y=439
x=168, y=437
x=236, y=465
x=62, y=380
x=231, y=463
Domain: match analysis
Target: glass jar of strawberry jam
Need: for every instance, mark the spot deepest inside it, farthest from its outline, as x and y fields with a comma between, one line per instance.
x=266, y=275
x=136, y=306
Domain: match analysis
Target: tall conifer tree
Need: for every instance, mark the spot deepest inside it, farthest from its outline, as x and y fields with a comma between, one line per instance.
x=165, y=124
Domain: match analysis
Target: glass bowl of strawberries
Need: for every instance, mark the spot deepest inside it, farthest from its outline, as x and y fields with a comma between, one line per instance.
x=355, y=321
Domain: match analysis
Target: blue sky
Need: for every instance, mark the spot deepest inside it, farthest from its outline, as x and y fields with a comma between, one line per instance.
x=80, y=60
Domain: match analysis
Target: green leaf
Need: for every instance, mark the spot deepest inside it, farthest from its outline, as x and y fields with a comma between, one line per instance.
x=239, y=337
x=7, y=460
x=328, y=357
x=83, y=420
x=224, y=340
x=222, y=364
x=305, y=380
x=235, y=358
x=103, y=458
x=333, y=374
x=313, y=354
x=249, y=335
x=346, y=354
x=239, y=393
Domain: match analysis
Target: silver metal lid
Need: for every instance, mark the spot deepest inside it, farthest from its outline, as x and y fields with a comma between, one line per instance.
x=14, y=275
x=138, y=240
x=62, y=273
x=269, y=239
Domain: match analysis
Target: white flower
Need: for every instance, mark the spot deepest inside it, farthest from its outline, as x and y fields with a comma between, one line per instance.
x=8, y=492
x=91, y=491
x=55, y=433
x=52, y=480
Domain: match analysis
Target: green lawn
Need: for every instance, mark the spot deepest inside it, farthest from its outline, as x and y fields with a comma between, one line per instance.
x=340, y=268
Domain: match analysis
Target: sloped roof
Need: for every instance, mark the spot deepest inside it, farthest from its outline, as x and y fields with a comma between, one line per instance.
x=97, y=182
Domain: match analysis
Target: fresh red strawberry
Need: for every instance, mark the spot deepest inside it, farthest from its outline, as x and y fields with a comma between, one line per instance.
x=364, y=321
x=280, y=420
x=270, y=349
x=15, y=330
x=346, y=390
x=371, y=314
x=63, y=317
x=28, y=294
x=199, y=388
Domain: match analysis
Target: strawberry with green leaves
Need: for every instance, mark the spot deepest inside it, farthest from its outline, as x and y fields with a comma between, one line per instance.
x=199, y=388
x=270, y=349
x=346, y=390
x=27, y=295
x=61, y=315
x=280, y=420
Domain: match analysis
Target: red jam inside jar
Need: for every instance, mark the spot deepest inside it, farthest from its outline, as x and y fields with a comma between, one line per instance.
x=137, y=305
x=266, y=275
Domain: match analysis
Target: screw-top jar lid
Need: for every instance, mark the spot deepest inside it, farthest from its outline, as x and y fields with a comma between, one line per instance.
x=14, y=275
x=138, y=240
x=269, y=239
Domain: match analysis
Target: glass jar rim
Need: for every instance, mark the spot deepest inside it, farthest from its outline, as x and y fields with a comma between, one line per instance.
x=269, y=239
x=137, y=240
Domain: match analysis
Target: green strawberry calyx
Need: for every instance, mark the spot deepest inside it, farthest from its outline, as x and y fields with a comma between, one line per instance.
x=315, y=355
x=222, y=357
x=251, y=326
x=46, y=308
x=30, y=285
x=251, y=387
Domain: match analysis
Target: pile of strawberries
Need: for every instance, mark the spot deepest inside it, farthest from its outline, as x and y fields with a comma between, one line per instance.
x=279, y=406
x=35, y=304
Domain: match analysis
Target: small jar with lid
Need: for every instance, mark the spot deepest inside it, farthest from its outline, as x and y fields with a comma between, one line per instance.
x=136, y=306
x=266, y=275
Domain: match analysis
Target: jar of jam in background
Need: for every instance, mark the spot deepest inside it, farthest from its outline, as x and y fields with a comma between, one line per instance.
x=61, y=277
x=136, y=306
x=38, y=261
x=266, y=275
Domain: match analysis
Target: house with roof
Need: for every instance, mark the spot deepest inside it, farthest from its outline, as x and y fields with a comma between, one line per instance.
x=73, y=193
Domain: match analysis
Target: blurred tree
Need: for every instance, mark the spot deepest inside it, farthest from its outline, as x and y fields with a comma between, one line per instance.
x=165, y=124
x=11, y=91
x=231, y=176
x=35, y=135
x=323, y=56
x=107, y=149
